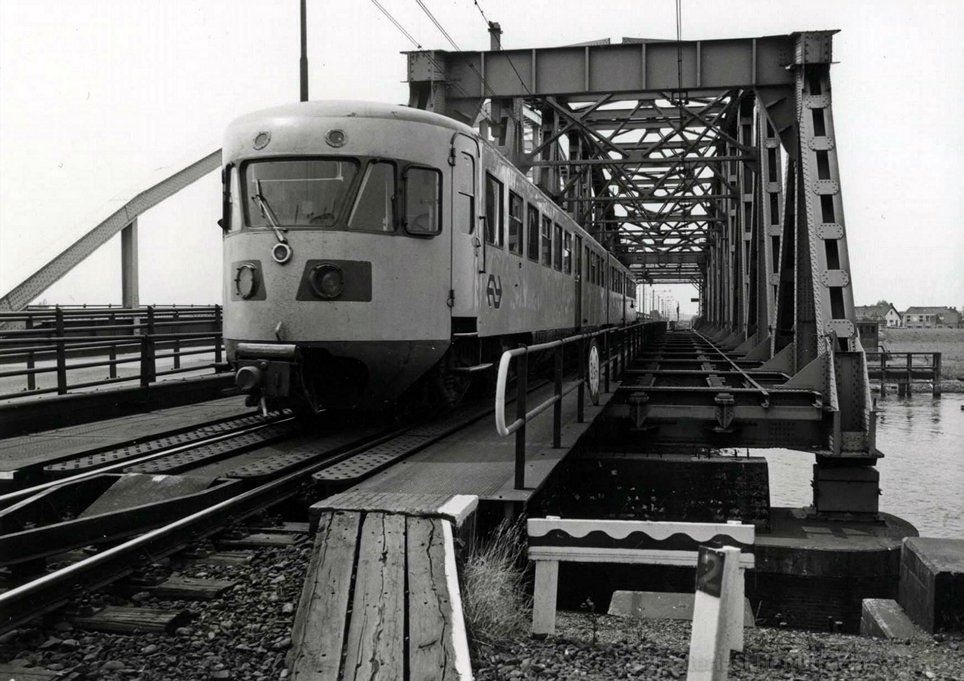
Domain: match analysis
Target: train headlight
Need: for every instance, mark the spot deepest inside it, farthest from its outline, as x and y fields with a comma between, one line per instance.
x=246, y=280
x=327, y=281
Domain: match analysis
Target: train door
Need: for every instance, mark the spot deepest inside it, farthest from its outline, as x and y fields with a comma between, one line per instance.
x=466, y=239
x=578, y=281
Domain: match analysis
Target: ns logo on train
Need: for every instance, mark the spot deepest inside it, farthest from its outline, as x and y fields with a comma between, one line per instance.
x=493, y=291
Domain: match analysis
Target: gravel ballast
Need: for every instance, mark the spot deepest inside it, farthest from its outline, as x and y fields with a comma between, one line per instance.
x=243, y=634
x=657, y=649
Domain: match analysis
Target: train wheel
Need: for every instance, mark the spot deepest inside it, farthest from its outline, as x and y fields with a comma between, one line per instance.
x=449, y=387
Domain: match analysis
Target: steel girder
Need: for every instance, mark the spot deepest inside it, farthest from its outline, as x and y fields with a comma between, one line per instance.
x=115, y=218
x=726, y=179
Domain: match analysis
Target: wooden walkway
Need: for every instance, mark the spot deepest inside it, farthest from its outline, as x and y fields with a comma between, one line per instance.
x=381, y=601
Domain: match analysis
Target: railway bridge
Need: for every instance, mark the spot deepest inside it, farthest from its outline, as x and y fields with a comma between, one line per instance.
x=711, y=163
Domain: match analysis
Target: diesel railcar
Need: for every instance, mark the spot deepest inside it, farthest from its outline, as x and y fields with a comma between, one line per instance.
x=372, y=250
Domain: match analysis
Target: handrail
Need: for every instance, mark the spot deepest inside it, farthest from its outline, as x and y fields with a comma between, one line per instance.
x=148, y=336
x=629, y=338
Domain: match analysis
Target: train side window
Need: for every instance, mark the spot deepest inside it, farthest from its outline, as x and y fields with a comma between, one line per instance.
x=494, y=199
x=593, y=276
x=231, y=208
x=375, y=206
x=546, y=241
x=515, y=223
x=567, y=253
x=557, y=248
x=533, y=227
x=423, y=201
x=465, y=194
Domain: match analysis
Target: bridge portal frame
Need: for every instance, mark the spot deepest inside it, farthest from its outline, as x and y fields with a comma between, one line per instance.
x=708, y=162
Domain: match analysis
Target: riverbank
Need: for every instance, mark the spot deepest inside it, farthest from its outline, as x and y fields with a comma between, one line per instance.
x=607, y=648
x=948, y=342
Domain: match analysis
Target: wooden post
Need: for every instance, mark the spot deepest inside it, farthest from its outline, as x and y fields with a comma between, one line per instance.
x=910, y=373
x=219, y=334
x=31, y=363
x=883, y=373
x=112, y=352
x=148, y=367
x=60, y=344
x=937, y=374
x=544, y=598
x=177, y=344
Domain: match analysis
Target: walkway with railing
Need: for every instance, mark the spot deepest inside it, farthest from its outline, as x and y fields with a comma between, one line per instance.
x=903, y=368
x=601, y=357
x=46, y=350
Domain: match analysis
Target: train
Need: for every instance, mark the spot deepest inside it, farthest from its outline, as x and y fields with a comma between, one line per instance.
x=377, y=254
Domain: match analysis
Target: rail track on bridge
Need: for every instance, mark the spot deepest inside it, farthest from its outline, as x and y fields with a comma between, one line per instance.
x=241, y=473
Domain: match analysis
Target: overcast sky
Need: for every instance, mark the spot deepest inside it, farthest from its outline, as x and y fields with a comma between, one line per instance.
x=97, y=95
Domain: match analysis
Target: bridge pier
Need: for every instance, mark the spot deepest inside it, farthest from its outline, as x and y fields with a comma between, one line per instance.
x=846, y=485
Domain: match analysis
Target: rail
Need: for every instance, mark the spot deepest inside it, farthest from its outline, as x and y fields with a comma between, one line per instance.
x=58, y=340
x=620, y=346
x=905, y=369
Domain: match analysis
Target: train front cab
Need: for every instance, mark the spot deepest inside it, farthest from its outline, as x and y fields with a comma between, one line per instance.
x=362, y=306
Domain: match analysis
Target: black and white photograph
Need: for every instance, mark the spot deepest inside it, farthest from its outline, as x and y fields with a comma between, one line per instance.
x=478, y=340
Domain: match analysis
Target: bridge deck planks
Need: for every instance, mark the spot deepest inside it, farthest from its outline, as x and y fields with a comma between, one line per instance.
x=377, y=630
x=320, y=625
x=380, y=602
x=429, y=603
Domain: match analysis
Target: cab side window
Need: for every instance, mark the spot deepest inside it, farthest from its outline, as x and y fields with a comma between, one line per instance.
x=515, y=223
x=532, y=218
x=423, y=201
x=546, y=241
x=494, y=199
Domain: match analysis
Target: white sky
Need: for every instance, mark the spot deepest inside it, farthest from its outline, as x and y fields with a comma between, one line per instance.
x=96, y=95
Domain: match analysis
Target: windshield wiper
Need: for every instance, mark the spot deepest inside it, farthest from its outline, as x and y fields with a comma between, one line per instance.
x=268, y=214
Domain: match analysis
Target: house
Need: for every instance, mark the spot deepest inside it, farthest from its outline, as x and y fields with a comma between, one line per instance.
x=882, y=311
x=932, y=318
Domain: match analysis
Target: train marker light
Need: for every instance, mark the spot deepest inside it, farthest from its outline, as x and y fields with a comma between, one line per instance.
x=327, y=281
x=281, y=253
x=261, y=140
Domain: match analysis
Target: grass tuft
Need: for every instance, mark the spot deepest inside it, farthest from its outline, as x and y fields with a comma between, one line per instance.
x=495, y=602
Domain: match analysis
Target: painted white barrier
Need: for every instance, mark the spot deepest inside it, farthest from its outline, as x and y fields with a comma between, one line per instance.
x=554, y=540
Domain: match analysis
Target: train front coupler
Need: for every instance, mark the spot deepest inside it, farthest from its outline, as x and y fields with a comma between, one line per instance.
x=269, y=374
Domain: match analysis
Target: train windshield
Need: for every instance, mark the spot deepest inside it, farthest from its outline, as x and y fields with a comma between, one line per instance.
x=300, y=193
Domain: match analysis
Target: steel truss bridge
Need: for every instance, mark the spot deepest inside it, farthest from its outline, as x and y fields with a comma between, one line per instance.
x=707, y=162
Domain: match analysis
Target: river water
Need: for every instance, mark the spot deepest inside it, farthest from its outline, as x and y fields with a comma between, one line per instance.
x=921, y=474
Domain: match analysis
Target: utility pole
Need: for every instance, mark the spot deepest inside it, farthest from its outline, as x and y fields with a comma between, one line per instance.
x=304, y=52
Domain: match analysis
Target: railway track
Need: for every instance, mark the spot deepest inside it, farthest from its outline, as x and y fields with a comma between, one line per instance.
x=258, y=483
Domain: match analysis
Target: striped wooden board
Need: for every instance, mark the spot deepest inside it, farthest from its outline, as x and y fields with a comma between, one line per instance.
x=381, y=601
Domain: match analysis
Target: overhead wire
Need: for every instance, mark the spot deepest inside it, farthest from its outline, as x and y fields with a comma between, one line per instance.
x=417, y=44
x=397, y=25
x=438, y=25
x=485, y=83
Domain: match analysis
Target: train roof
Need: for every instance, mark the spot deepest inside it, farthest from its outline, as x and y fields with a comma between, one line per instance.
x=357, y=108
